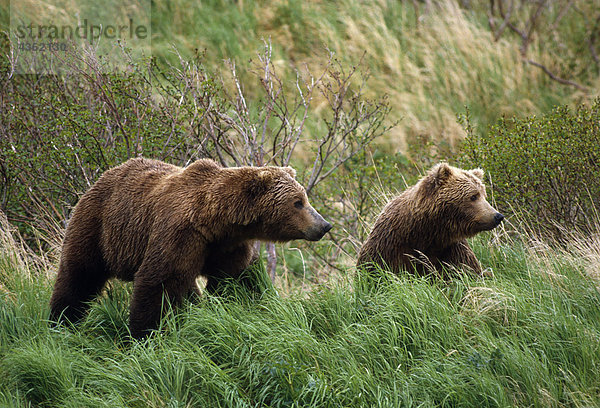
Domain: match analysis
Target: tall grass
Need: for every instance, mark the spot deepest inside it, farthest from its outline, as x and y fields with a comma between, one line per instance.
x=431, y=63
x=528, y=336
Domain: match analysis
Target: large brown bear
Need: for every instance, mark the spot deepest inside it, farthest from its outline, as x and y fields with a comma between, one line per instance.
x=162, y=226
x=427, y=225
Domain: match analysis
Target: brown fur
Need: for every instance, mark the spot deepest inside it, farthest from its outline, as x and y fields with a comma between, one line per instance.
x=162, y=226
x=427, y=225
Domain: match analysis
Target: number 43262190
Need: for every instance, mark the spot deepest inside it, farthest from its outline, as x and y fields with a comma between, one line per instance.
x=42, y=46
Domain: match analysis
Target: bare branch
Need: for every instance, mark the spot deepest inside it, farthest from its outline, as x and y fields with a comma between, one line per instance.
x=592, y=41
x=505, y=22
x=556, y=78
x=532, y=26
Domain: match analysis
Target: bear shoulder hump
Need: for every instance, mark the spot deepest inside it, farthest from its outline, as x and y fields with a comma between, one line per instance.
x=202, y=165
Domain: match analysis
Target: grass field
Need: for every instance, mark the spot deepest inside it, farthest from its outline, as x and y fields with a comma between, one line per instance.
x=528, y=336
x=431, y=63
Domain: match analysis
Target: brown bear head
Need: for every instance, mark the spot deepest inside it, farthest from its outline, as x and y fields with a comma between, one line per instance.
x=279, y=206
x=455, y=200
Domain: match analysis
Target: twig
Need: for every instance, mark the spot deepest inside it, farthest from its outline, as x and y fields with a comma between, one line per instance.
x=555, y=77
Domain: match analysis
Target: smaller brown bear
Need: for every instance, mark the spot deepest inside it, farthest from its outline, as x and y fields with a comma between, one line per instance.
x=427, y=225
x=162, y=226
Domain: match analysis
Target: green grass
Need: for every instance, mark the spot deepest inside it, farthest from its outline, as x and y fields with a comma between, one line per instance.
x=528, y=336
x=431, y=63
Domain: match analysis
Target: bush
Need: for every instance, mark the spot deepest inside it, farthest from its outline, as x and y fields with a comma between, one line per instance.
x=58, y=134
x=546, y=168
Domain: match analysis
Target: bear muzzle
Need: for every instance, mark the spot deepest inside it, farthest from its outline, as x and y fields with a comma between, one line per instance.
x=498, y=218
x=492, y=222
x=319, y=227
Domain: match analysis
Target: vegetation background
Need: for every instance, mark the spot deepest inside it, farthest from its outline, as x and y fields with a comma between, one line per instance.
x=360, y=97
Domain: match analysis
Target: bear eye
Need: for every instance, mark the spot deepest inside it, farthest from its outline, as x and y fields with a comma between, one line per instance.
x=474, y=197
x=298, y=204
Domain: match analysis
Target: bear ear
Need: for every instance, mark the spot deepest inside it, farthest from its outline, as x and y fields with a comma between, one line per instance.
x=259, y=183
x=477, y=173
x=264, y=178
x=440, y=173
x=264, y=175
x=289, y=170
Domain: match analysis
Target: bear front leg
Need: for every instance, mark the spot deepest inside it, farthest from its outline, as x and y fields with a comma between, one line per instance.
x=149, y=301
x=221, y=265
x=145, y=309
x=168, y=274
x=460, y=254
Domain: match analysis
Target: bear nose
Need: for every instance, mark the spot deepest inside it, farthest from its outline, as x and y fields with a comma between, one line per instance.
x=327, y=227
x=498, y=218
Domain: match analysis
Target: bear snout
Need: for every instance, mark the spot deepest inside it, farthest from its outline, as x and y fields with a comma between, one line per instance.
x=319, y=227
x=488, y=223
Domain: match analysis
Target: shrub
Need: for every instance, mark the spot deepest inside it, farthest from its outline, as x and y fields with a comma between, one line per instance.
x=58, y=134
x=546, y=168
